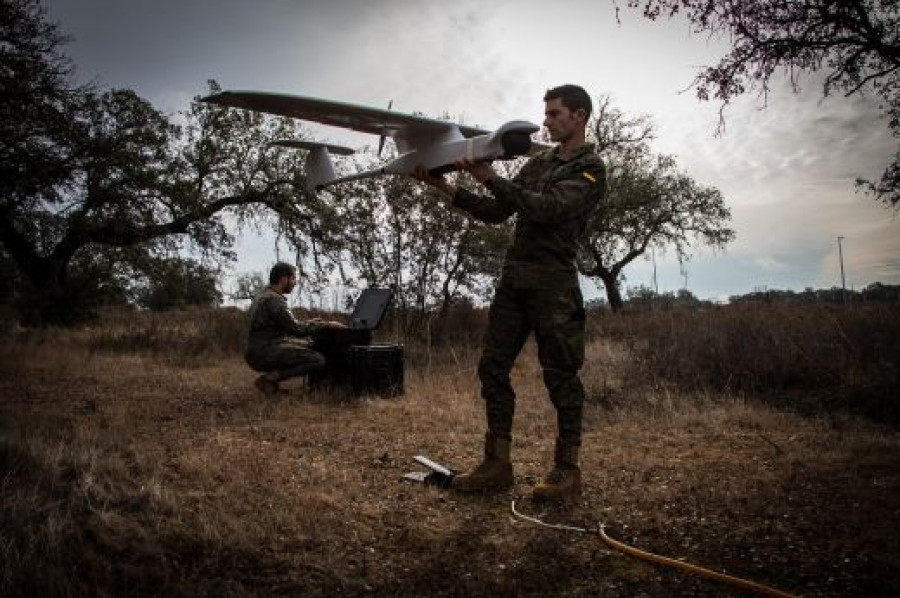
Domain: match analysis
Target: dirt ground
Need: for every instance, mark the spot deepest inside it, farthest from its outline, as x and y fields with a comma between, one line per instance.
x=135, y=475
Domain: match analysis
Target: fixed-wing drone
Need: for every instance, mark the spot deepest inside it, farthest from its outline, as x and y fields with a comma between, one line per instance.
x=434, y=144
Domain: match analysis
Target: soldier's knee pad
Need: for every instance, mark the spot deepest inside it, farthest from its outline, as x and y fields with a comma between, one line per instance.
x=555, y=378
x=492, y=368
x=564, y=387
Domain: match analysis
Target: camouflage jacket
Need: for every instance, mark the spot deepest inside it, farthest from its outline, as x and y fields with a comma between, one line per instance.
x=553, y=197
x=271, y=321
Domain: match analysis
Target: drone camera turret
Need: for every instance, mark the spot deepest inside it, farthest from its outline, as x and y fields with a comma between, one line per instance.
x=515, y=143
x=513, y=139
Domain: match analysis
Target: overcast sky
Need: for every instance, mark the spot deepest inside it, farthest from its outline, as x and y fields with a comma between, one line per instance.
x=787, y=171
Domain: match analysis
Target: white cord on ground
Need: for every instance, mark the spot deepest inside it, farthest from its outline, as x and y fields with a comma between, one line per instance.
x=550, y=525
x=661, y=560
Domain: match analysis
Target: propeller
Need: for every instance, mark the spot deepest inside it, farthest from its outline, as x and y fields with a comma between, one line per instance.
x=381, y=139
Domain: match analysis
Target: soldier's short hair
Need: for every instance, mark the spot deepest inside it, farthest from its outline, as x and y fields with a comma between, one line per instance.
x=573, y=97
x=279, y=270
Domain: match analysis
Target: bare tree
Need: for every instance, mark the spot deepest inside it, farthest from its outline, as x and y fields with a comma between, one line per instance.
x=649, y=203
x=92, y=179
x=856, y=43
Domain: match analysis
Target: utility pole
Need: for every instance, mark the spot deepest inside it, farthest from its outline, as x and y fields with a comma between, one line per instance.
x=655, y=287
x=843, y=281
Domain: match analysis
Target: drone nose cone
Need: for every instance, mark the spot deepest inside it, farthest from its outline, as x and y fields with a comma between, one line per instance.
x=515, y=143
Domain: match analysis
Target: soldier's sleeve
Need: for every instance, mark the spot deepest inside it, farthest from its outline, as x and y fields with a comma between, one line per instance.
x=580, y=191
x=483, y=207
x=285, y=320
x=487, y=208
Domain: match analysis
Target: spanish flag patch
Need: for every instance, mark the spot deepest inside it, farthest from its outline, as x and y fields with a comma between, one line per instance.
x=589, y=176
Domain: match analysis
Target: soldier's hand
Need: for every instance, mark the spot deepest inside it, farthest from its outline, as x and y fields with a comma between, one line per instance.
x=420, y=173
x=320, y=323
x=482, y=171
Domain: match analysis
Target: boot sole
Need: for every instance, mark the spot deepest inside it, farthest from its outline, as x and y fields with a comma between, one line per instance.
x=539, y=495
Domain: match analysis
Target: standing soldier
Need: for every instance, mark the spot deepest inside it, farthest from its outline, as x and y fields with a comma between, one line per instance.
x=276, y=342
x=553, y=197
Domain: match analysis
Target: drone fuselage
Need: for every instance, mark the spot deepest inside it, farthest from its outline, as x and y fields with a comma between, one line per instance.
x=436, y=145
x=509, y=141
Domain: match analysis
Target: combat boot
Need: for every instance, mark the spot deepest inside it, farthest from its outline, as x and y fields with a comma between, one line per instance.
x=493, y=473
x=267, y=383
x=564, y=480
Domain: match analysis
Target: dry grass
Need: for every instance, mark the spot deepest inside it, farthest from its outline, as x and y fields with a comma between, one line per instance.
x=145, y=472
x=813, y=358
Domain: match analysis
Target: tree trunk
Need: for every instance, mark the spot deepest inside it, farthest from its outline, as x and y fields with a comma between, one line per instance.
x=51, y=296
x=439, y=324
x=610, y=281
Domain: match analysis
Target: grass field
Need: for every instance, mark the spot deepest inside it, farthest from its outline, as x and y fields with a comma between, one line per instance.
x=136, y=458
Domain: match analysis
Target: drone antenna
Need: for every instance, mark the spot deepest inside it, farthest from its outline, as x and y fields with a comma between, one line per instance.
x=381, y=139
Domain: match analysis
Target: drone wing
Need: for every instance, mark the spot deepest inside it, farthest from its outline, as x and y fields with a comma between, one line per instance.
x=409, y=131
x=313, y=145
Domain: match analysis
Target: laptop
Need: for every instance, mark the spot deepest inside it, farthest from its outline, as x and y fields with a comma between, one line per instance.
x=370, y=308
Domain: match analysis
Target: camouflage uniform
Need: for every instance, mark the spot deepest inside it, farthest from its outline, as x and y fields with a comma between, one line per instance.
x=274, y=338
x=553, y=197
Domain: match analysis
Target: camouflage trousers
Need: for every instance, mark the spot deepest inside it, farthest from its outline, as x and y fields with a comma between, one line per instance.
x=290, y=357
x=557, y=318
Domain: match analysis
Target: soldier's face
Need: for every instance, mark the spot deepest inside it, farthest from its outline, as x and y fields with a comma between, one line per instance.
x=288, y=283
x=560, y=122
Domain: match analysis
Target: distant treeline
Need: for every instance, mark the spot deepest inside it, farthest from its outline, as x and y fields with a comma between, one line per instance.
x=644, y=298
x=874, y=293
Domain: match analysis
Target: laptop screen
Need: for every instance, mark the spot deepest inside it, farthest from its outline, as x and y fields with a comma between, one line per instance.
x=370, y=308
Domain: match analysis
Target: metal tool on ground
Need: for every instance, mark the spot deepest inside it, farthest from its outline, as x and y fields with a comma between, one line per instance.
x=438, y=475
x=744, y=584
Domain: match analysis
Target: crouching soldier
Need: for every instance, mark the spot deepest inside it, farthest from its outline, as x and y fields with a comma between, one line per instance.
x=277, y=344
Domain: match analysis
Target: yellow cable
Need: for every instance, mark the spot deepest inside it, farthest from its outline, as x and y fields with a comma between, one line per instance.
x=751, y=586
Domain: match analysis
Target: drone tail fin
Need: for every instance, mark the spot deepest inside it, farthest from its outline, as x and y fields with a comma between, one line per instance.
x=318, y=166
x=319, y=169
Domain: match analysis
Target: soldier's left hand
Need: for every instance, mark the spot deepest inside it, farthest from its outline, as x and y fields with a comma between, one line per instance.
x=482, y=171
x=420, y=173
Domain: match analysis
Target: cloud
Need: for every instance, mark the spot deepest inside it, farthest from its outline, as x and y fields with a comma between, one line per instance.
x=888, y=270
x=769, y=264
